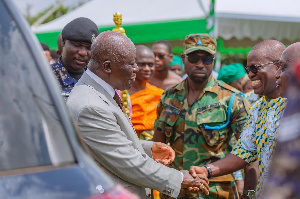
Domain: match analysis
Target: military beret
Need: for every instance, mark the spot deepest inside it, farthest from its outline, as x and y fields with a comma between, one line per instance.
x=81, y=29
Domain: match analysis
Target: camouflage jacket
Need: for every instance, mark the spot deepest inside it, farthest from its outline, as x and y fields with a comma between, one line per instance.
x=184, y=128
x=64, y=79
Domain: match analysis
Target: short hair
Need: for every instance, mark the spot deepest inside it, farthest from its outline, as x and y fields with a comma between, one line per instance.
x=60, y=43
x=166, y=43
x=142, y=49
x=53, y=54
x=292, y=52
x=271, y=49
x=110, y=45
x=45, y=47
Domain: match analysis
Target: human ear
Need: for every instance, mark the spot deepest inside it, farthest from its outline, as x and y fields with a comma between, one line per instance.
x=63, y=42
x=107, y=66
x=183, y=57
x=171, y=57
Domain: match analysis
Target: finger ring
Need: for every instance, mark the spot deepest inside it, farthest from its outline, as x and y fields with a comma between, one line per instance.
x=202, y=187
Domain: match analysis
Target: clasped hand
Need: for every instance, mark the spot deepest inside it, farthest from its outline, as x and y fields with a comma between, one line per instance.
x=195, y=184
x=164, y=154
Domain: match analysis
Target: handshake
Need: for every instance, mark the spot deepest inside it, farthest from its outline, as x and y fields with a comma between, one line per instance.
x=194, y=183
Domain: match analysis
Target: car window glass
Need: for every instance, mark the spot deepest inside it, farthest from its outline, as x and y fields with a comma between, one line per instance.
x=31, y=133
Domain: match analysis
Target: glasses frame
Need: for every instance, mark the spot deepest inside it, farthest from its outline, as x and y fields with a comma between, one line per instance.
x=254, y=68
x=201, y=59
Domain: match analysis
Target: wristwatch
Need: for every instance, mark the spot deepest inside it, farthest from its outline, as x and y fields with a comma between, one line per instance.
x=209, y=171
x=249, y=193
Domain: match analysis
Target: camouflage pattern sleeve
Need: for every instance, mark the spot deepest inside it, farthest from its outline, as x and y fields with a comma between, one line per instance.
x=239, y=112
x=159, y=126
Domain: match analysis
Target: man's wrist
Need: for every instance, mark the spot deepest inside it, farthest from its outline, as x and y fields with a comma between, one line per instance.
x=208, y=170
x=182, y=176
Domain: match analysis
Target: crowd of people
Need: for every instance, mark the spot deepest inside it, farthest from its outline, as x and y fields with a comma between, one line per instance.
x=183, y=136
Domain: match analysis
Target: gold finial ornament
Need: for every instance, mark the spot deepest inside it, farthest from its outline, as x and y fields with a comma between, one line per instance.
x=118, y=21
x=124, y=94
x=124, y=98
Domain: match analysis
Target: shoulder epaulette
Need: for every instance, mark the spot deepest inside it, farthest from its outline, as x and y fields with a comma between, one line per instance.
x=169, y=90
x=228, y=87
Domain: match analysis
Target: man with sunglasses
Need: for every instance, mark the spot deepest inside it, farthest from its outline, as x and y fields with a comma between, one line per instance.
x=77, y=37
x=163, y=77
x=284, y=178
x=258, y=139
x=198, y=116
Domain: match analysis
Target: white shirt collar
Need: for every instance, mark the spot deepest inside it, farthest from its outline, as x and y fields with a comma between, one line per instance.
x=101, y=82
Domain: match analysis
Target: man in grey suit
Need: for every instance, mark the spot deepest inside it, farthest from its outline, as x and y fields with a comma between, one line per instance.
x=108, y=132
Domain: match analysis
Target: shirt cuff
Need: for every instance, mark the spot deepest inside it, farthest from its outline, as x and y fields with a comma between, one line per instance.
x=182, y=176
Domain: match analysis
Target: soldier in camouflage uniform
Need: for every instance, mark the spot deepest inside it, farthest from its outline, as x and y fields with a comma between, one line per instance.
x=199, y=116
x=258, y=140
x=77, y=37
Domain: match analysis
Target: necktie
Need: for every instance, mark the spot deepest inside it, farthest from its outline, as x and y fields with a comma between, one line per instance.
x=119, y=102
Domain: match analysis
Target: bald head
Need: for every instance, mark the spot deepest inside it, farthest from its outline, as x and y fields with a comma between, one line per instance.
x=113, y=59
x=111, y=45
x=269, y=49
x=283, y=74
x=142, y=49
x=265, y=55
x=145, y=60
x=291, y=54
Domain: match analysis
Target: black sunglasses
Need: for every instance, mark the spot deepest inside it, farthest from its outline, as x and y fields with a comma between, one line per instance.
x=254, y=68
x=193, y=58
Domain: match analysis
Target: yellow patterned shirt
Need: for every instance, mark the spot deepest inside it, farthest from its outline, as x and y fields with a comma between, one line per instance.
x=258, y=139
x=252, y=97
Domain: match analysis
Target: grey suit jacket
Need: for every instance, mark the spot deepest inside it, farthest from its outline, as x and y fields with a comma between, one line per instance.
x=114, y=144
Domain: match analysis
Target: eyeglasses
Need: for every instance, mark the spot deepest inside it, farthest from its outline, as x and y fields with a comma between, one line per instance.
x=160, y=56
x=254, y=68
x=193, y=58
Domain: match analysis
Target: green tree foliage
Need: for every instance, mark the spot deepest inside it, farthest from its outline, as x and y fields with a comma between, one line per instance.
x=59, y=12
x=233, y=58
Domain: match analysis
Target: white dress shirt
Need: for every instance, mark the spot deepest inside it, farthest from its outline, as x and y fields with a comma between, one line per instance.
x=111, y=91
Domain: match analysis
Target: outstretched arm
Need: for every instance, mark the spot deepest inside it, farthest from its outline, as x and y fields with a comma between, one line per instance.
x=251, y=176
x=228, y=164
x=116, y=152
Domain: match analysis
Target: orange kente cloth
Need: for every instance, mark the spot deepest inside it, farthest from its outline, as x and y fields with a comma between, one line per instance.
x=144, y=104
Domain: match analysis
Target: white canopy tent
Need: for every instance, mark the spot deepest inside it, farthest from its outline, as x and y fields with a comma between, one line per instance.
x=133, y=11
x=235, y=19
x=258, y=19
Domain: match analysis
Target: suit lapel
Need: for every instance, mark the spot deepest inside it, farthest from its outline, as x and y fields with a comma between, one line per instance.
x=87, y=80
x=105, y=96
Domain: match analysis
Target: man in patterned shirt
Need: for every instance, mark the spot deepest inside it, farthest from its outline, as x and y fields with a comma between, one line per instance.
x=199, y=116
x=258, y=139
x=77, y=37
x=283, y=180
